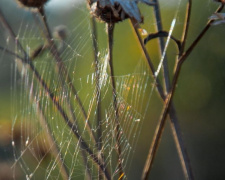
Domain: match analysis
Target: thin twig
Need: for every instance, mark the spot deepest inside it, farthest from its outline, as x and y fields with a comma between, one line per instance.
x=147, y=57
x=186, y=27
x=10, y=52
x=160, y=34
x=63, y=71
x=98, y=90
x=97, y=73
x=48, y=92
x=182, y=152
x=44, y=124
x=169, y=97
x=88, y=175
x=110, y=30
x=162, y=46
x=175, y=127
x=71, y=126
x=42, y=120
x=38, y=51
x=12, y=34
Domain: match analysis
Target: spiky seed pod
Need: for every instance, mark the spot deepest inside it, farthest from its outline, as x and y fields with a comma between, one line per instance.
x=32, y=3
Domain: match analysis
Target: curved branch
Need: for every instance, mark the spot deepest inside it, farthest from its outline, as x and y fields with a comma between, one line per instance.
x=161, y=34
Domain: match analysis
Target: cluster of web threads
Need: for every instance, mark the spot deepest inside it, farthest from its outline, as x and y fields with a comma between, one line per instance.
x=37, y=116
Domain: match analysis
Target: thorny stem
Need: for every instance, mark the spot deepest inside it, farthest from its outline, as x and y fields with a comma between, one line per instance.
x=169, y=97
x=182, y=152
x=110, y=30
x=72, y=127
x=63, y=71
x=98, y=88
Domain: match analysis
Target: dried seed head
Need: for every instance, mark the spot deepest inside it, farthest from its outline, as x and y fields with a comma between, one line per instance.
x=109, y=14
x=112, y=11
x=32, y=3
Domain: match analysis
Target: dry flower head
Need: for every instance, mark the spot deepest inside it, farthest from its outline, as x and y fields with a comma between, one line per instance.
x=113, y=11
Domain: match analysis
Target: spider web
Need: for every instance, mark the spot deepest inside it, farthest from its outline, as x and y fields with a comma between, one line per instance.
x=44, y=145
x=44, y=139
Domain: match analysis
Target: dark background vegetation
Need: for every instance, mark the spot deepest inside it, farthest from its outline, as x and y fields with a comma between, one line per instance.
x=199, y=97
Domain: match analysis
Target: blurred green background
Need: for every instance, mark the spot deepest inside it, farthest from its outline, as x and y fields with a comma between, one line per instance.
x=199, y=97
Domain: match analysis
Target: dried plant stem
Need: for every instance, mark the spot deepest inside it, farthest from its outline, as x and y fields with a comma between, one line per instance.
x=98, y=89
x=110, y=30
x=162, y=47
x=186, y=27
x=44, y=124
x=147, y=57
x=88, y=175
x=10, y=52
x=174, y=124
x=63, y=73
x=182, y=152
x=72, y=127
x=42, y=120
x=48, y=92
x=97, y=73
x=168, y=101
